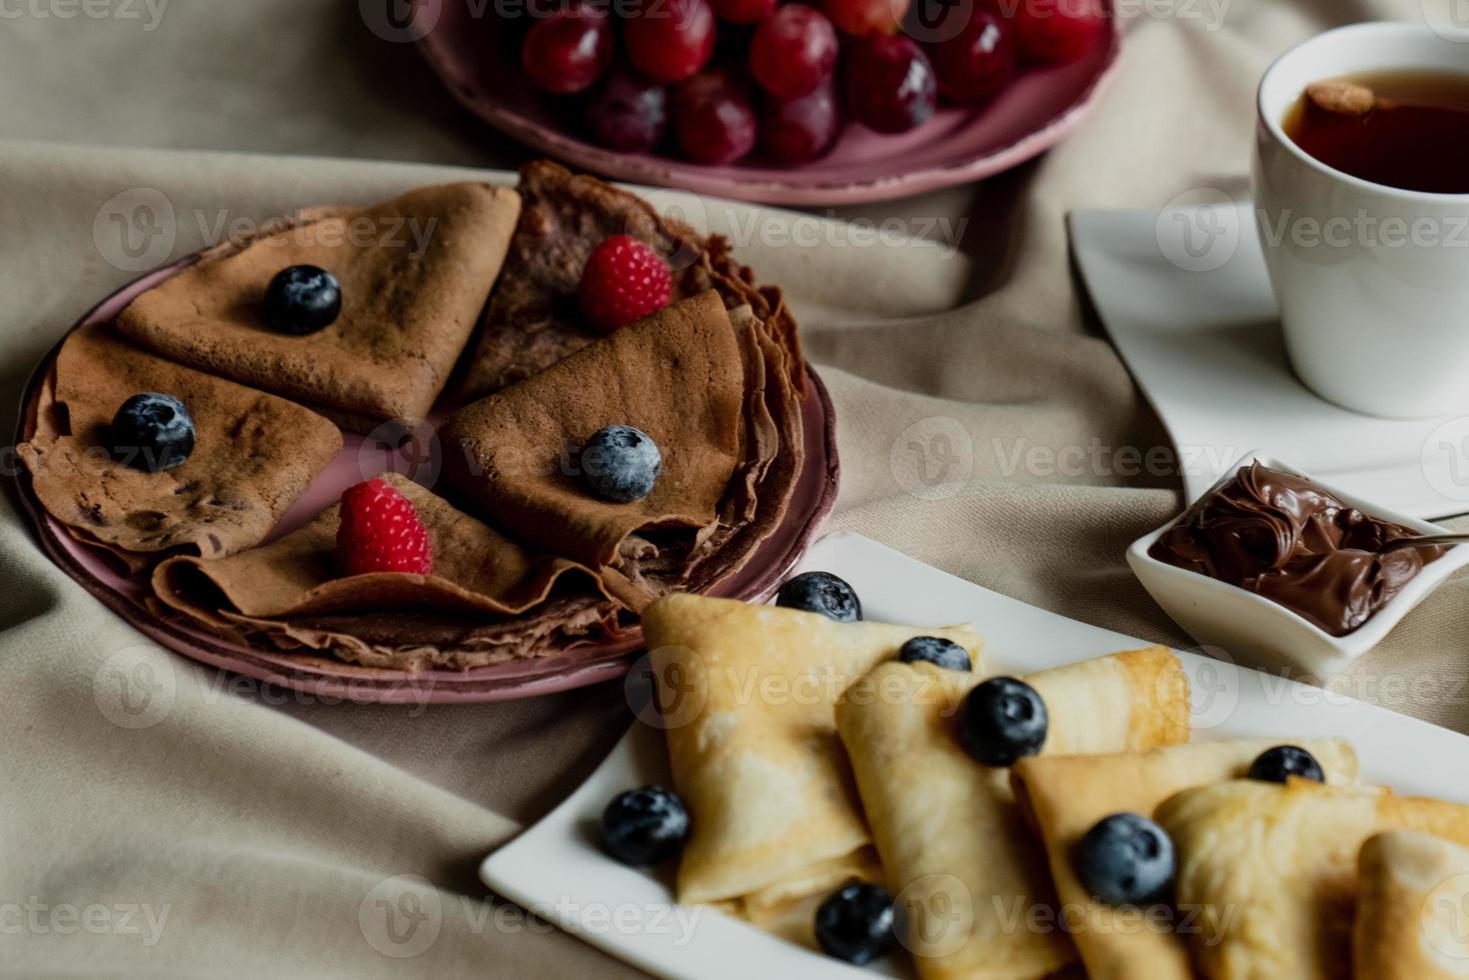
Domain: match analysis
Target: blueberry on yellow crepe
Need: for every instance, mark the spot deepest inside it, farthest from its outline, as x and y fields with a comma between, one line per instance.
x=753, y=744
x=1065, y=799
x=1272, y=870
x=953, y=843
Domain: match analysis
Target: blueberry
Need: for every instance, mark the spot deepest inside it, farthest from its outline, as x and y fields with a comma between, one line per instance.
x=1003, y=719
x=855, y=923
x=621, y=464
x=821, y=592
x=1125, y=860
x=645, y=826
x=1275, y=765
x=152, y=432
x=936, y=650
x=302, y=299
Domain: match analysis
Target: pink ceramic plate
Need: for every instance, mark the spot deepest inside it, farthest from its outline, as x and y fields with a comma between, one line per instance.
x=956, y=146
x=326, y=677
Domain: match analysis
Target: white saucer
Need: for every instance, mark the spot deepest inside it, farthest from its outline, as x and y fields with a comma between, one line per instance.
x=1186, y=298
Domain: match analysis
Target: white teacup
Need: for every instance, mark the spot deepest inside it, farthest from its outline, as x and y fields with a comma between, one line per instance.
x=1373, y=281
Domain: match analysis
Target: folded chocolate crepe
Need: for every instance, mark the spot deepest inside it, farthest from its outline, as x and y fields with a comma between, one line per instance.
x=533, y=320
x=291, y=593
x=415, y=273
x=1064, y=797
x=953, y=842
x=700, y=384
x=253, y=455
x=753, y=745
x=1272, y=870
x=1412, y=896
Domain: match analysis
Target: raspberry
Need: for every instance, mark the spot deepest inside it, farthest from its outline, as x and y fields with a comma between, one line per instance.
x=381, y=532
x=624, y=281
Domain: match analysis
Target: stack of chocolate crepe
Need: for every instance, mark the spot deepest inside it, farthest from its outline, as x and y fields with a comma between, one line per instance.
x=526, y=560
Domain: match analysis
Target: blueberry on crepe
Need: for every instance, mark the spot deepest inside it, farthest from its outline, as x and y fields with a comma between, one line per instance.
x=1004, y=719
x=1125, y=859
x=1278, y=764
x=1067, y=795
x=821, y=592
x=621, y=464
x=152, y=432
x=645, y=826
x=855, y=923
x=936, y=650
x=302, y=299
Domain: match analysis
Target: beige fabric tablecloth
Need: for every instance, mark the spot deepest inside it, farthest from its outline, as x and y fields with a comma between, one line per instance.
x=161, y=819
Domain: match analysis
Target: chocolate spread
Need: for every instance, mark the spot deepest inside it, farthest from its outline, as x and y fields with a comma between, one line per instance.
x=1292, y=542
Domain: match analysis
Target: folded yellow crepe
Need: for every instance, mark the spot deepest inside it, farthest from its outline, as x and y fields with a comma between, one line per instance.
x=753, y=745
x=969, y=876
x=1412, y=903
x=1065, y=796
x=1272, y=870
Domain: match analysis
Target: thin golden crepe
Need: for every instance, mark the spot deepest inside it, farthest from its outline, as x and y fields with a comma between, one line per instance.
x=1064, y=796
x=1412, y=897
x=415, y=274
x=290, y=592
x=1272, y=870
x=753, y=745
x=253, y=455
x=953, y=843
x=696, y=383
x=533, y=321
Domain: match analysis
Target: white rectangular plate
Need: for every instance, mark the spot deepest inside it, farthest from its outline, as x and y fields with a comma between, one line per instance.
x=557, y=870
x=1205, y=347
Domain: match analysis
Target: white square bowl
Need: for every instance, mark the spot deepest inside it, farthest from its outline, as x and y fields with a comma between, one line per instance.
x=1262, y=633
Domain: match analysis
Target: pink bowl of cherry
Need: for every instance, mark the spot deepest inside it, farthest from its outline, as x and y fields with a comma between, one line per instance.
x=567, y=84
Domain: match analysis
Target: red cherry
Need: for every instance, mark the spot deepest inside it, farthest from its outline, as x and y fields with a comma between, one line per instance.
x=890, y=84
x=670, y=40
x=976, y=59
x=1057, y=30
x=793, y=51
x=797, y=130
x=743, y=11
x=628, y=112
x=567, y=51
x=712, y=119
x=860, y=17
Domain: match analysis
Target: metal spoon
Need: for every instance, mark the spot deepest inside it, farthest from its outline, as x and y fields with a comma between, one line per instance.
x=1425, y=541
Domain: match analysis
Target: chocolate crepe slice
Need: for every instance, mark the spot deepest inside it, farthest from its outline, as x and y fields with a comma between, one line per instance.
x=415, y=273
x=699, y=387
x=952, y=840
x=253, y=455
x=1412, y=893
x=468, y=612
x=1064, y=797
x=1272, y=870
x=533, y=320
